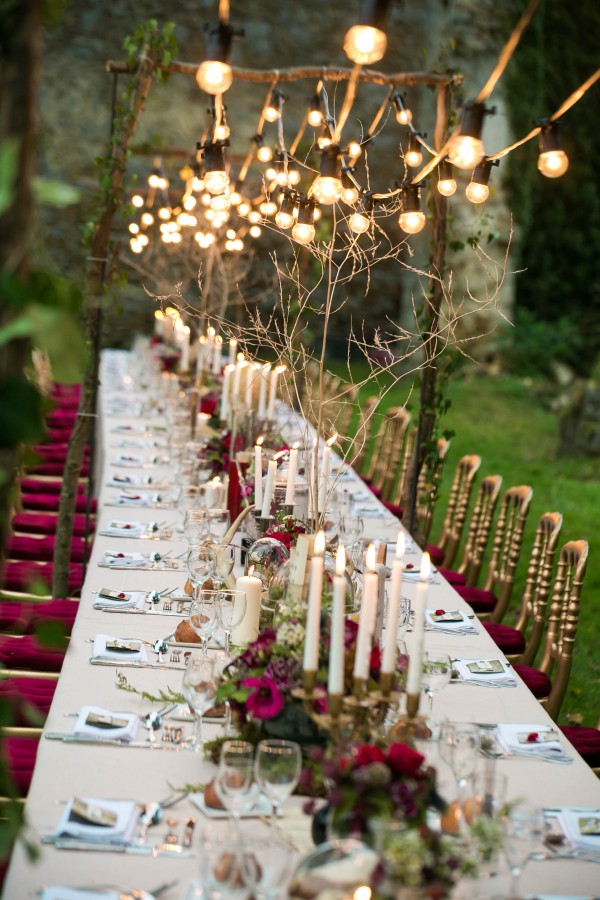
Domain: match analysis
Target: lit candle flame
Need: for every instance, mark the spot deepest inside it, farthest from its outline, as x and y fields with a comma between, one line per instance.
x=332, y=439
x=319, y=544
x=211, y=331
x=158, y=314
x=280, y=368
x=233, y=342
x=251, y=570
x=202, y=339
x=259, y=440
x=266, y=367
x=400, y=545
x=230, y=367
x=295, y=445
x=240, y=357
x=371, y=557
x=218, y=339
x=425, y=567
x=340, y=560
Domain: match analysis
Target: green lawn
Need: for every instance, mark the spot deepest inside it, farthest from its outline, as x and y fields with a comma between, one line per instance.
x=502, y=420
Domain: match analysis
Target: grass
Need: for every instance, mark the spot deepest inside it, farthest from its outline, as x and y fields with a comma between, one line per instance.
x=503, y=421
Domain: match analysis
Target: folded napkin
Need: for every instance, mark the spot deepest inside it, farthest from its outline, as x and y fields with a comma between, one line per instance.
x=137, y=600
x=57, y=892
x=485, y=672
x=124, y=499
x=102, y=723
x=119, y=559
x=534, y=740
x=120, y=818
x=409, y=547
x=412, y=572
x=449, y=621
x=128, y=459
x=128, y=481
x=129, y=429
x=582, y=829
x=102, y=649
x=124, y=528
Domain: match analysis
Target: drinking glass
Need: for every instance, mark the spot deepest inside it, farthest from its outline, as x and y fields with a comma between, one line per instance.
x=351, y=528
x=277, y=770
x=204, y=615
x=223, y=865
x=224, y=561
x=459, y=747
x=194, y=524
x=199, y=689
x=234, y=781
x=437, y=669
x=522, y=831
x=231, y=611
x=217, y=521
x=200, y=562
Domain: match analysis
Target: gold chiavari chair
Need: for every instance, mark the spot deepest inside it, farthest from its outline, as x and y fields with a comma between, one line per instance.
x=395, y=424
x=427, y=487
x=549, y=681
x=480, y=528
x=444, y=553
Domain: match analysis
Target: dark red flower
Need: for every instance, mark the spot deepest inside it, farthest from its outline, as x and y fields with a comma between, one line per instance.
x=367, y=754
x=375, y=661
x=404, y=760
x=266, y=701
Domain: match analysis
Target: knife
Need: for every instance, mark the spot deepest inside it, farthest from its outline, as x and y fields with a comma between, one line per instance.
x=130, y=664
x=67, y=738
x=129, y=849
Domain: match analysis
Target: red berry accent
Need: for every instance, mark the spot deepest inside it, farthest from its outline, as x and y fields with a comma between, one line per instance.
x=121, y=596
x=532, y=737
x=409, y=566
x=440, y=612
x=121, y=555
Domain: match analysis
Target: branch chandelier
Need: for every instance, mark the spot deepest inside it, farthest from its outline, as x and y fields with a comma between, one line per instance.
x=214, y=205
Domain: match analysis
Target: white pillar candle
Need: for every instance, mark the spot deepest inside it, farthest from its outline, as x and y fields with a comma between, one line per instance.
x=366, y=622
x=269, y=488
x=335, y=678
x=217, y=349
x=250, y=376
x=313, y=615
x=236, y=384
x=290, y=488
x=258, y=482
x=415, y=662
x=273, y=391
x=262, y=397
x=225, y=392
x=388, y=663
x=250, y=586
x=184, y=340
x=232, y=350
x=325, y=472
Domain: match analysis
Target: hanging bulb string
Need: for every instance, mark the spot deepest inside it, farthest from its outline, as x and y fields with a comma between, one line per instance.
x=262, y=119
x=348, y=103
x=507, y=52
x=218, y=114
x=299, y=135
x=370, y=133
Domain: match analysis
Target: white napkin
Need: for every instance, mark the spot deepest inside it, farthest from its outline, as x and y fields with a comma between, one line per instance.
x=414, y=574
x=409, y=547
x=512, y=737
x=124, y=528
x=121, y=832
x=124, y=499
x=99, y=650
x=128, y=459
x=123, y=733
x=464, y=625
x=128, y=481
x=574, y=824
x=505, y=678
x=119, y=559
x=137, y=601
x=57, y=892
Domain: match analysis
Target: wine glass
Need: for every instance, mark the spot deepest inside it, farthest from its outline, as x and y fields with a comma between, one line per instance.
x=223, y=864
x=522, y=830
x=351, y=528
x=224, y=561
x=231, y=611
x=234, y=781
x=200, y=563
x=204, y=615
x=194, y=524
x=199, y=689
x=459, y=747
x=217, y=521
x=277, y=770
x=437, y=669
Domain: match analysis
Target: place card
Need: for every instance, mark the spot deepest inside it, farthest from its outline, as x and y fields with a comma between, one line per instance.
x=87, y=814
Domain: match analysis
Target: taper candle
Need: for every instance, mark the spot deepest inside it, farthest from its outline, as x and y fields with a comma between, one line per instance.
x=388, y=663
x=415, y=662
x=313, y=615
x=258, y=482
x=290, y=488
x=366, y=622
x=335, y=677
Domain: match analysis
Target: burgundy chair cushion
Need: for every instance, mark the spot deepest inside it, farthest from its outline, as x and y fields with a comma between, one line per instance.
x=23, y=692
x=56, y=469
x=376, y=491
x=38, y=523
x=21, y=575
x=481, y=601
x=41, y=548
x=50, y=502
x=394, y=508
x=452, y=577
x=12, y=617
x=20, y=754
x=27, y=653
x=61, y=418
x=23, y=617
x=508, y=639
x=585, y=740
x=46, y=486
x=538, y=682
x=57, y=436
x=436, y=553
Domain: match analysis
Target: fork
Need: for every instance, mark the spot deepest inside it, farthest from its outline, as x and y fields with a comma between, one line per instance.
x=167, y=606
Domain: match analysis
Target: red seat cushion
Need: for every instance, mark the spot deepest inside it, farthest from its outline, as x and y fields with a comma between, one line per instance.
x=50, y=502
x=38, y=523
x=12, y=618
x=61, y=418
x=394, y=508
x=586, y=741
x=46, y=486
x=376, y=491
x=23, y=692
x=481, y=601
x=57, y=436
x=23, y=574
x=20, y=754
x=538, y=682
x=41, y=548
x=452, y=577
x=436, y=553
x=23, y=617
x=27, y=653
x=56, y=469
x=508, y=639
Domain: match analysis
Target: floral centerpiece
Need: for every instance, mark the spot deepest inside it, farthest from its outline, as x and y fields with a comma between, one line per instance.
x=286, y=529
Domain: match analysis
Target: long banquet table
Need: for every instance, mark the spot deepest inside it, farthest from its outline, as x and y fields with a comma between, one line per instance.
x=65, y=770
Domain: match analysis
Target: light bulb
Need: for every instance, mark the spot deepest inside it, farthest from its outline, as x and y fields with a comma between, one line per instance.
x=189, y=203
x=255, y=231
x=466, y=152
x=323, y=141
x=198, y=184
x=317, y=214
x=413, y=155
x=164, y=213
x=230, y=233
x=553, y=163
x=268, y=208
x=403, y=116
x=364, y=44
x=477, y=192
x=446, y=186
x=254, y=216
x=327, y=189
x=137, y=200
x=282, y=178
x=220, y=202
x=358, y=223
x=134, y=228
x=210, y=215
x=238, y=245
x=303, y=232
x=143, y=239
x=235, y=198
x=223, y=132
x=350, y=195
x=315, y=117
x=216, y=181
x=153, y=180
x=229, y=245
x=412, y=222
x=272, y=113
x=135, y=245
x=206, y=198
x=284, y=219
x=214, y=77
x=175, y=238
x=264, y=154
x=210, y=239
x=354, y=149
x=270, y=174
x=293, y=174
x=243, y=208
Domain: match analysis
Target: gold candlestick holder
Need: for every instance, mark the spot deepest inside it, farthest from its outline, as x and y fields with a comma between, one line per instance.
x=411, y=725
x=334, y=721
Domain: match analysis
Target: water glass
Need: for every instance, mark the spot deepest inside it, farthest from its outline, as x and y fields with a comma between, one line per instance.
x=277, y=770
x=523, y=828
x=199, y=689
x=217, y=523
x=437, y=669
x=204, y=615
x=200, y=563
x=234, y=781
x=231, y=611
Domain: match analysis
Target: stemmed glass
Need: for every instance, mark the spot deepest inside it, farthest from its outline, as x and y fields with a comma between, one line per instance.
x=231, y=611
x=234, y=781
x=277, y=770
x=204, y=615
x=217, y=521
x=437, y=669
x=199, y=689
x=351, y=528
x=224, y=561
x=194, y=524
x=522, y=830
x=200, y=563
x=459, y=746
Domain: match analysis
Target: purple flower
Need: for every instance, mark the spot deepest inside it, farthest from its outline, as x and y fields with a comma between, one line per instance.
x=266, y=701
x=285, y=673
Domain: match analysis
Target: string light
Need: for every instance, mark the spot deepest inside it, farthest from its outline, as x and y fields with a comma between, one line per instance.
x=327, y=187
x=137, y=200
x=304, y=230
x=478, y=188
x=466, y=147
x=552, y=160
x=147, y=218
x=263, y=152
x=134, y=228
x=403, y=113
x=215, y=75
x=366, y=42
x=285, y=215
x=216, y=179
x=354, y=149
x=349, y=189
x=255, y=231
x=268, y=207
x=273, y=108
x=413, y=155
x=314, y=115
x=446, y=182
x=360, y=221
x=412, y=218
